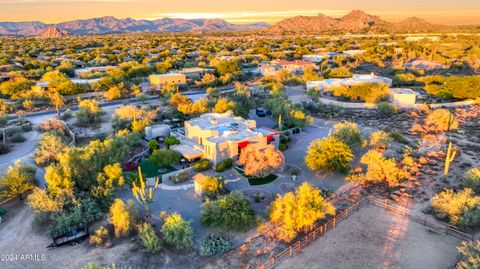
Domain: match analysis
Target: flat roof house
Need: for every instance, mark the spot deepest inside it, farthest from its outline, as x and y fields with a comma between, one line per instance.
x=195, y=73
x=158, y=80
x=403, y=97
x=327, y=84
x=296, y=66
x=219, y=136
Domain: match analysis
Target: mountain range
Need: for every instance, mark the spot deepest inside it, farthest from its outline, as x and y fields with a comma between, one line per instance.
x=356, y=21
x=105, y=25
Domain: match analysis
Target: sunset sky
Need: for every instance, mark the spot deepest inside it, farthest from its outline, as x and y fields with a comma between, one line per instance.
x=242, y=11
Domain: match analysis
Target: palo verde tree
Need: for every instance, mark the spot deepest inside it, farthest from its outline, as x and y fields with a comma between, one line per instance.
x=298, y=212
x=329, y=155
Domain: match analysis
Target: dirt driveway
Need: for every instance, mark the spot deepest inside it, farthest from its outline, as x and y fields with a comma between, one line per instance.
x=375, y=238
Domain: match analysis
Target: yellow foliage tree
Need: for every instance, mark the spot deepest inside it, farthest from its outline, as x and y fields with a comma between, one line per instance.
x=298, y=212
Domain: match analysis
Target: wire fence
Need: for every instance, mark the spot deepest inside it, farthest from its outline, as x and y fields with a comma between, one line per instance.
x=296, y=248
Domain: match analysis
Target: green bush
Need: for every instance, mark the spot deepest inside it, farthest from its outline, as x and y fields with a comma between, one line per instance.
x=3, y=212
x=471, y=179
x=224, y=165
x=148, y=237
x=164, y=157
x=4, y=148
x=232, y=212
x=170, y=141
x=470, y=251
x=386, y=109
x=213, y=244
x=17, y=138
x=397, y=137
x=202, y=165
x=153, y=145
x=177, y=232
x=282, y=147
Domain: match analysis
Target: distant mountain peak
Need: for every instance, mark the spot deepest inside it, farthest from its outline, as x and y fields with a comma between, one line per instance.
x=53, y=31
x=356, y=21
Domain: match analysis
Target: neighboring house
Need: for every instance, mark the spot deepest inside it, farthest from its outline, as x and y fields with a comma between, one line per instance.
x=327, y=84
x=403, y=97
x=158, y=80
x=195, y=73
x=296, y=66
x=353, y=53
x=219, y=136
x=88, y=70
x=423, y=65
x=268, y=70
x=319, y=57
x=416, y=38
x=78, y=81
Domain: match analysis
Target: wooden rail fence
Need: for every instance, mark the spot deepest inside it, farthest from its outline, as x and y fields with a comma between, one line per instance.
x=296, y=248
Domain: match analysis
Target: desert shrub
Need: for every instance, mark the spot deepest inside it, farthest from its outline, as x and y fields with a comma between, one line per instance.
x=17, y=138
x=89, y=112
x=471, y=180
x=180, y=177
x=224, y=165
x=52, y=125
x=4, y=148
x=50, y=146
x=177, y=232
x=202, y=165
x=386, y=109
x=397, y=137
x=379, y=170
x=3, y=212
x=101, y=237
x=213, y=185
x=3, y=120
x=470, y=251
x=329, y=155
x=231, y=212
x=379, y=139
x=85, y=211
x=213, y=244
x=298, y=212
x=122, y=217
x=470, y=218
x=164, y=157
x=148, y=238
x=348, y=133
x=441, y=120
x=450, y=205
x=17, y=180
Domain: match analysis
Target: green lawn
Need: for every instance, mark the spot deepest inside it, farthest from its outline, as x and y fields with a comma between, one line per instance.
x=255, y=180
x=151, y=170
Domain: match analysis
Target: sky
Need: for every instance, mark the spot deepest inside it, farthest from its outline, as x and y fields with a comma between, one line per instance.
x=240, y=11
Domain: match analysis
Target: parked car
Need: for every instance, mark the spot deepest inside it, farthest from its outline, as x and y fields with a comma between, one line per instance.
x=260, y=112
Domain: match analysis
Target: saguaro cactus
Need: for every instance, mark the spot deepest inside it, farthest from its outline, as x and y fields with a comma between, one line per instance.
x=449, y=158
x=142, y=193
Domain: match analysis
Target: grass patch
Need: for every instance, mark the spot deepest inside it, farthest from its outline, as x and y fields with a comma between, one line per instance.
x=257, y=180
x=151, y=170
